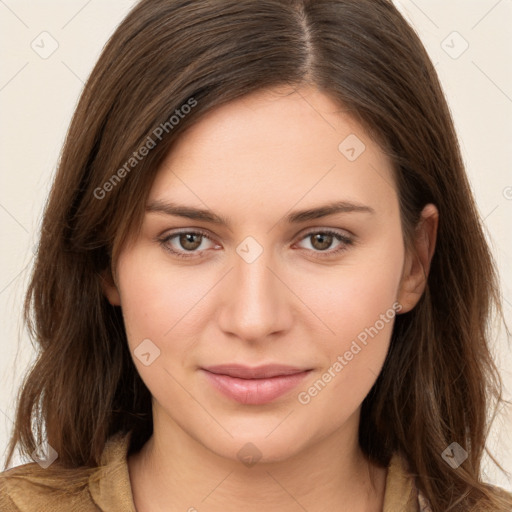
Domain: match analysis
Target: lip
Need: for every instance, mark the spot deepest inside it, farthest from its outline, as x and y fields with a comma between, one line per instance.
x=256, y=385
x=254, y=372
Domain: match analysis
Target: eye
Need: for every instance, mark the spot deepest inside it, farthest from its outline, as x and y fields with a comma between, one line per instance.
x=187, y=242
x=322, y=240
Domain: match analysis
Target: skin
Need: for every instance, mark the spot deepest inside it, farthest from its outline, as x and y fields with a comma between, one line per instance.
x=254, y=161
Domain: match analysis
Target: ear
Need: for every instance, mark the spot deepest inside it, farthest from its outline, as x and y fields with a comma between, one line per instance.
x=109, y=287
x=417, y=261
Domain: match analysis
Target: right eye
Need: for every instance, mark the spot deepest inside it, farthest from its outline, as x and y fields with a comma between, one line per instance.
x=188, y=242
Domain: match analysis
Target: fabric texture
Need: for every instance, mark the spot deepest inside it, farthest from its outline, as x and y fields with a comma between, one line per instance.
x=30, y=488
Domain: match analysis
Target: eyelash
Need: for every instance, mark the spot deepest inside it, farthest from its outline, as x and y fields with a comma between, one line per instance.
x=347, y=241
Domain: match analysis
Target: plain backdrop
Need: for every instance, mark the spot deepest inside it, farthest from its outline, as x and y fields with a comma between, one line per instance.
x=48, y=50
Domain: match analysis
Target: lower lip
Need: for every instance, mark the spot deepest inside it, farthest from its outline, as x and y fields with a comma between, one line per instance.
x=255, y=391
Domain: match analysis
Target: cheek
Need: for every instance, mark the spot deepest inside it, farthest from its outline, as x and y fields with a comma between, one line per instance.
x=156, y=295
x=353, y=362
x=161, y=311
x=158, y=301
x=351, y=296
x=358, y=304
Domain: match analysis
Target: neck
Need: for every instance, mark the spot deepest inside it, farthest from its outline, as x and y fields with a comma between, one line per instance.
x=174, y=472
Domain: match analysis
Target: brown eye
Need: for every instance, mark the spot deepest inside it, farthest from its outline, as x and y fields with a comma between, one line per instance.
x=185, y=244
x=189, y=241
x=322, y=241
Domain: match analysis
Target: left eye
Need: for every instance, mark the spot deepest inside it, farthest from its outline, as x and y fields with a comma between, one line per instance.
x=322, y=240
x=191, y=241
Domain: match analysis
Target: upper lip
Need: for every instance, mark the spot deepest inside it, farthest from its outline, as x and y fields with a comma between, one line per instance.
x=255, y=372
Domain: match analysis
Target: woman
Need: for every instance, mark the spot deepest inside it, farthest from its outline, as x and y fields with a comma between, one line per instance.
x=262, y=281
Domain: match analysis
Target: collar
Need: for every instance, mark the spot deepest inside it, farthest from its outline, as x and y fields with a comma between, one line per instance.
x=112, y=490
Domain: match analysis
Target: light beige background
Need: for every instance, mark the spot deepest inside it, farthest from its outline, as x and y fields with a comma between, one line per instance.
x=38, y=96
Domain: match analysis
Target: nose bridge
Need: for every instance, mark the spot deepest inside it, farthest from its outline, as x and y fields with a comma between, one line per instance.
x=255, y=302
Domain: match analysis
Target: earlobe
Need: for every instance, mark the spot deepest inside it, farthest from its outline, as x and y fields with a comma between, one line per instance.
x=109, y=288
x=418, y=260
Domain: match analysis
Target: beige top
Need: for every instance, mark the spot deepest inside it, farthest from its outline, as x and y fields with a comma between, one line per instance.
x=27, y=488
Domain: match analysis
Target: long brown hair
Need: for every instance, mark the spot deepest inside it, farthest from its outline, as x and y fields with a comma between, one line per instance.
x=438, y=381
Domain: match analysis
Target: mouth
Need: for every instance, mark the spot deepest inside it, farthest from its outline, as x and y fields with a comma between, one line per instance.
x=254, y=385
x=257, y=372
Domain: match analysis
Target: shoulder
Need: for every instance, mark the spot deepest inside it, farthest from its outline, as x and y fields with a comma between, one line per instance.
x=402, y=491
x=500, y=493
x=30, y=487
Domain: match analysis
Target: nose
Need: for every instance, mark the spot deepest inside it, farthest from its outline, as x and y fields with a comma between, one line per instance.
x=256, y=301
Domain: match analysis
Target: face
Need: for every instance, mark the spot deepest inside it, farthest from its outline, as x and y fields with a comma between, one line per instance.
x=266, y=285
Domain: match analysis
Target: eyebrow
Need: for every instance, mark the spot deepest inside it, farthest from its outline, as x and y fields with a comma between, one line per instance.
x=295, y=217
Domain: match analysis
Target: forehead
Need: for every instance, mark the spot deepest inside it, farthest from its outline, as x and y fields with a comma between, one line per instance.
x=272, y=149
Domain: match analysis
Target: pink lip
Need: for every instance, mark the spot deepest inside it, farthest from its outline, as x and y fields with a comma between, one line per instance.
x=254, y=386
x=257, y=372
